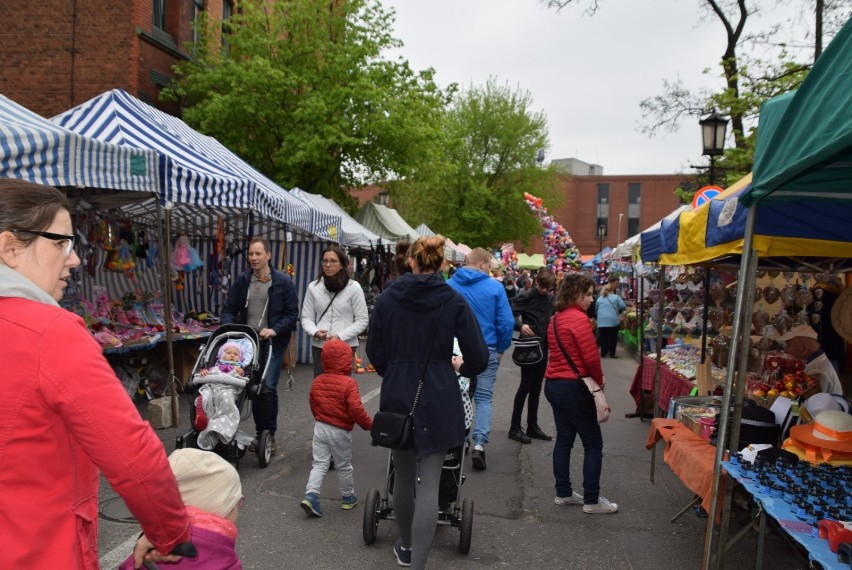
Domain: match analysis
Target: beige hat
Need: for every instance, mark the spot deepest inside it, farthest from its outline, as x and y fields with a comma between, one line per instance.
x=799, y=330
x=206, y=481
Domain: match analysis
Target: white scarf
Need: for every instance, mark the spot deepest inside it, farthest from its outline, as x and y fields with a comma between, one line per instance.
x=15, y=284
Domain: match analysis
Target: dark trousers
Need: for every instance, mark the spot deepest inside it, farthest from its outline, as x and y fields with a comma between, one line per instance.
x=530, y=387
x=608, y=340
x=264, y=407
x=571, y=421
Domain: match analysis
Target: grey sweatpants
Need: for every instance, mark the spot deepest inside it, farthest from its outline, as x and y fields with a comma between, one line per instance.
x=331, y=442
x=415, y=500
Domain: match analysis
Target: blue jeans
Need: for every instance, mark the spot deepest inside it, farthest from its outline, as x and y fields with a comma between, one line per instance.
x=571, y=421
x=264, y=407
x=482, y=398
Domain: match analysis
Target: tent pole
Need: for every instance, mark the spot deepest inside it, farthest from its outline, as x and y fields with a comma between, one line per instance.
x=747, y=264
x=658, y=363
x=165, y=247
x=640, y=341
x=706, y=311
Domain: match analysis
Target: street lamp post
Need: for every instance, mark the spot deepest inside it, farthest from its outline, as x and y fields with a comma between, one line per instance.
x=601, y=236
x=713, y=128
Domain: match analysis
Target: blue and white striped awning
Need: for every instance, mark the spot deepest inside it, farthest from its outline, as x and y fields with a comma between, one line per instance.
x=37, y=150
x=196, y=170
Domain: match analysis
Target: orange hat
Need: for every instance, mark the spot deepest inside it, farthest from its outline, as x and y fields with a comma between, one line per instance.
x=830, y=434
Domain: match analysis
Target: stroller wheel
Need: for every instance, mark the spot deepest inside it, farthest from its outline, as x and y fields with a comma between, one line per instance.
x=264, y=448
x=371, y=516
x=466, y=526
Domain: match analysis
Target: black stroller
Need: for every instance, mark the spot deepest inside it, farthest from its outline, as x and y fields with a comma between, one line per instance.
x=453, y=510
x=225, y=438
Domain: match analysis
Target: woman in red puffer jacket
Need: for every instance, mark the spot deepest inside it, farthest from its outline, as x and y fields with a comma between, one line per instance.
x=562, y=390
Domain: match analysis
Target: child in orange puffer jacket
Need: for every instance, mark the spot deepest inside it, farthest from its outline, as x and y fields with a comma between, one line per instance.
x=336, y=405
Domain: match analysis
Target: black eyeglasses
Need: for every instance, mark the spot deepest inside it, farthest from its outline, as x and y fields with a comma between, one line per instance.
x=69, y=240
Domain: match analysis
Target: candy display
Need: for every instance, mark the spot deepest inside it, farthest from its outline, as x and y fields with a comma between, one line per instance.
x=782, y=375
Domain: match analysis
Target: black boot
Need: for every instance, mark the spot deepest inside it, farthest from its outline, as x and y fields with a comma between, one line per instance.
x=518, y=434
x=536, y=432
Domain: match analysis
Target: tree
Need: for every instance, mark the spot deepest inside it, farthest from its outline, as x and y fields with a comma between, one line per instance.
x=473, y=191
x=748, y=80
x=300, y=90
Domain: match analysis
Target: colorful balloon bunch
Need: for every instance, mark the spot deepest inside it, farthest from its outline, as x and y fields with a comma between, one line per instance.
x=560, y=253
x=509, y=257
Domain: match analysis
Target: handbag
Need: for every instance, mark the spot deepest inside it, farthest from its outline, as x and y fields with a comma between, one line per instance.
x=592, y=397
x=392, y=429
x=527, y=351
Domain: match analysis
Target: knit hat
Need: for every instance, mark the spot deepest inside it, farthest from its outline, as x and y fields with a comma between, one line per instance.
x=206, y=481
x=233, y=345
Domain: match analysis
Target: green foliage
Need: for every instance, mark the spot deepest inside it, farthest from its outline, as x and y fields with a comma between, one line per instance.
x=474, y=191
x=300, y=90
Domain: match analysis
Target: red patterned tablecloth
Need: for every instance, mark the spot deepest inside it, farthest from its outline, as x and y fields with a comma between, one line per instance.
x=672, y=384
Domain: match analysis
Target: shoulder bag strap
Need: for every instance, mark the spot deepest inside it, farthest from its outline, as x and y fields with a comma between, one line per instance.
x=562, y=348
x=426, y=362
x=327, y=307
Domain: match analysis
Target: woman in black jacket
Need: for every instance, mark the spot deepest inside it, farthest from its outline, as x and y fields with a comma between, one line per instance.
x=401, y=346
x=533, y=309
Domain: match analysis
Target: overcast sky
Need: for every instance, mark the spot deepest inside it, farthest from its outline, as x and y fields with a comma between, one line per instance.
x=587, y=74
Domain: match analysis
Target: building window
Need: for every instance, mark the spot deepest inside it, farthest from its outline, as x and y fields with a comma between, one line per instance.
x=159, y=20
x=634, y=202
x=227, y=12
x=197, y=9
x=603, y=210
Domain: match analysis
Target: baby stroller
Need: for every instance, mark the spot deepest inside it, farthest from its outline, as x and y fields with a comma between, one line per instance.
x=227, y=398
x=453, y=510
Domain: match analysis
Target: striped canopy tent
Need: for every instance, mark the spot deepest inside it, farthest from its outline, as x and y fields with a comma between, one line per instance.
x=354, y=234
x=628, y=247
x=37, y=150
x=200, y=177
x=451, y=250
x=802, y=170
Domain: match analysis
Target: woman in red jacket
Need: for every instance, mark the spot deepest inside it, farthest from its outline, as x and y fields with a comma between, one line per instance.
x=63, y=418
x=562, y=391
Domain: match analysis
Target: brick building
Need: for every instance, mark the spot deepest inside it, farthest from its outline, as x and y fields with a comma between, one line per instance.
x=619, y=206
x=60, y=53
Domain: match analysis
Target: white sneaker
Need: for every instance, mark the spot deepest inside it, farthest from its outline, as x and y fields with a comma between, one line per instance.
x=603, y=506
x=575, y=499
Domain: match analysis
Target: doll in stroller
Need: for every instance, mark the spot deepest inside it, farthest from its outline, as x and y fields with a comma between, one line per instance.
x=227, y=374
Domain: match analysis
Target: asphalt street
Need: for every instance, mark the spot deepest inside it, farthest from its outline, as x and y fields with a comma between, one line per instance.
x=515, y=523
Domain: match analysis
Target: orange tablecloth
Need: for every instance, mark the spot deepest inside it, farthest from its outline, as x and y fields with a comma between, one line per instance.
x=690, y=457
x=672, y=384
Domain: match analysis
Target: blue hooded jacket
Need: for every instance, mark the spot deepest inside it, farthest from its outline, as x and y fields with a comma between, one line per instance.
x=487, y=298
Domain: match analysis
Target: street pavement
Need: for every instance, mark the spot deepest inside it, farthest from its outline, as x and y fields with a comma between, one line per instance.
x=515, y=524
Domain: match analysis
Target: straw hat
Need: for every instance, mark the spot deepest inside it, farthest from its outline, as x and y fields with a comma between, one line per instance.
x=841, y=315
x=799, y=330
x=830, y=434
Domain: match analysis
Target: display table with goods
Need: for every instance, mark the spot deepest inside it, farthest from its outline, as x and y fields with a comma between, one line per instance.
x=801, y=498
x=677, y=374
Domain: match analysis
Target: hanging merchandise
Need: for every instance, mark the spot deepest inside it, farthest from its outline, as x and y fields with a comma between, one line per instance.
x=180, y=256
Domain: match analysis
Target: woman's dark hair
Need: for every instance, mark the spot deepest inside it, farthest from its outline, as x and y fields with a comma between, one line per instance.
x=28, y=206
x=400, y=258
x=428, y=253
x=572, y=287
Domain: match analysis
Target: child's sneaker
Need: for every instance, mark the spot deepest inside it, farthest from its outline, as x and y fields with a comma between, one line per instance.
x=575, y=499
x=200, y=421
x=603, y=506
x=348, y=502
x=310, y=504
x=403, y=557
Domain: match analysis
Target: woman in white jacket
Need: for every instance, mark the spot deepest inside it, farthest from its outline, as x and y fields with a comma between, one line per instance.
x=334, y=306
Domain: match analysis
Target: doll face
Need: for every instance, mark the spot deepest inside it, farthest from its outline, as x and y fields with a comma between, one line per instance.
x=231, y=354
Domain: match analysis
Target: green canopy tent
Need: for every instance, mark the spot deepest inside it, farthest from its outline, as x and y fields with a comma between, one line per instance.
x=803, y=153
